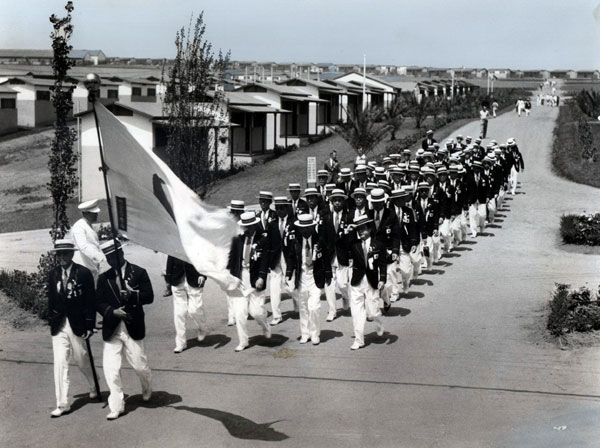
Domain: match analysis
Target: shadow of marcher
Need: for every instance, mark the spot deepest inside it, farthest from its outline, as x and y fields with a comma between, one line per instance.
x=159, y=399
x=413, y=295
x=397, y=311
x=211, y=340
x=275, y=341
x=80, y=400
x=461, y=249
x=436, y=271
x=494, y=226
x=328, y=335
x=421, y=281
x=386, y=339
x=238, y=426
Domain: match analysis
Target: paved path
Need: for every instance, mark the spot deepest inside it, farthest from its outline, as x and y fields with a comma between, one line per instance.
x=462, y=363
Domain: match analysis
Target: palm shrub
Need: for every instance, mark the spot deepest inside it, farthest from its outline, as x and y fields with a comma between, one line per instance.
x=394, y=115
x=362, y=130
x=589, y=102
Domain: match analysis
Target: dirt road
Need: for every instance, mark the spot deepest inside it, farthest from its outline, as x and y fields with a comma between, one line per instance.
x=462, y=363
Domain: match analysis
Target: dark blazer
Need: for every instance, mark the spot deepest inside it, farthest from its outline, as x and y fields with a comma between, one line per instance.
x=360, y=266
x=458, y=198
x=408, y=228
x=301, y=207
x=427, y=219
x=271, y=216
x=332, y=169
x=108, y=299
x=340, y=240
x=321, y=264
x=425, y=144
x=388, y=232
x=178, y=270
x=259, y=257
x=75, y=303
x=443, y=195
x=477, y=192
x=278, y=241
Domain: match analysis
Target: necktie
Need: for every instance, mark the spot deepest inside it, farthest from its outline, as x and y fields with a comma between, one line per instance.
x=337, y=221
x=377, y=220
x=281, y=227
x=65, y=277
x=263, y=219
x=366, y=251
x=247, y=247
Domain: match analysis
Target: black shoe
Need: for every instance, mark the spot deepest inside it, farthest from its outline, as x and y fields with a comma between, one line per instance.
x=386, y=307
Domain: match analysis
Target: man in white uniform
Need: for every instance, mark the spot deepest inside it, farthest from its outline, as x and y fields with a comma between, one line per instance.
x=86, y=239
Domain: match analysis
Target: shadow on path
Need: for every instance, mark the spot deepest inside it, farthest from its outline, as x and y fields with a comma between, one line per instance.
x=397, y=311
x=413, y=295
x=238, y=426
x=328, y=335
x=211, y=340
x=275, y=341
x=386, y=339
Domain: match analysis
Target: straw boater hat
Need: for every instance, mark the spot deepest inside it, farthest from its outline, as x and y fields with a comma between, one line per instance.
x=267, y=195
x=406, y=152
x=89, y=206
x=362, y=221
x=338, y=193
x=429, y=132
x=399, y=193
x=395, y=156
x=380, y=171
x=294, y=187
x=459, y=137
x=358, y=192
x=281, y=200
x=511, y=141
x=329, y=187
x=420, y=152
x=477, y=164
x=360, y=169
x=423, y=186
x=387, y=160
x=63, y=245
x=469, y=139
x=378, y=195
x=248, y=219
x=237, y=205
x=442, y=170
x=371, y=185
x=305, y=220
x=345, y=172
x=108, y=247
x=311, y=192
x=322, y=173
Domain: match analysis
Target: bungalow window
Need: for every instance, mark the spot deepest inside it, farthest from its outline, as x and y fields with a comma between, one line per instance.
x=8, y=103
x=112, y=93
x=42, y=95
x=151, y=92
x=136, y=91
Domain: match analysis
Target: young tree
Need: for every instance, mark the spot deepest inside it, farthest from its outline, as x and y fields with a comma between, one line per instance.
x=194, y=101
x=394, y=115
x=419, y=110
x=62, y=164
x=362, y=130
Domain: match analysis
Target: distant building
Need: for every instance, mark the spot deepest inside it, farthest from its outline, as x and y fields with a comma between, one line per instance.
x=88, y=57
x=8, y=110
x=44, y=57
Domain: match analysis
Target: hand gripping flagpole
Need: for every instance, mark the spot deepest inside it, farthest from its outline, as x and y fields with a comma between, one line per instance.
x=92, y=83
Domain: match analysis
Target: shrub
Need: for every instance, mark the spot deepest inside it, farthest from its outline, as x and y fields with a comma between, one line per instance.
x=28, y=290
x=573, y=310
x=580, y=229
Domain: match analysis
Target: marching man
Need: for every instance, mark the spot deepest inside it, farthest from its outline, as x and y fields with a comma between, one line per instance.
x=307, y=258
x=187, y=286
x=236, y=208
x=72, y=317
x=369, y=275
x=249, y=261
x=86, y=239
x=121, y=305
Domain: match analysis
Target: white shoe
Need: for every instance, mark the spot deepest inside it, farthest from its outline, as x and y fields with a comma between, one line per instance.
x=379, y=329
x=275, y=321
x=356, y=346
x=241, y=347
x=201, y=337
x=60, y=411
x=147, y=394
x=230, y=322
x=267, y=332
x=113, y=415
x=179, y=349
x=394, y=298
x=331, y=317
x=93, y=395
x=315, y=341
x=303, y=340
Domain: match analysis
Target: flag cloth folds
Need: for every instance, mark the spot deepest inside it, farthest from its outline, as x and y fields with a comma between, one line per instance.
x=155, y=209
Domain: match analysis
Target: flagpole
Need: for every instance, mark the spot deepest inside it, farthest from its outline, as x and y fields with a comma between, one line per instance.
x=364, y=96
x=92, y=83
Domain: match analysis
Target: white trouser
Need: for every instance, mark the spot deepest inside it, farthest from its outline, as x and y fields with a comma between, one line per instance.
x=416, y=258
x=446, y=234
x=456, y=229
x=405, y=269
x=342, y=281
x=135, y=354
x=65, y=344
x=252, y=303
x=230, y=316
x=491, y=206
x=392, y=284
x=464, y=224
x=277, y=282
x=477, y=214
x=514, y=174
x=309, y=296
x=187, y=300
x=339, y=284
x=364, y=302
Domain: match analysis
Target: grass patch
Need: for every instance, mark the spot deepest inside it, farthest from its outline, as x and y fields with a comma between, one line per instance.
x=31, y=199
x=580, y=229
x=573, y=311
x=26, y=290
x=22, y=190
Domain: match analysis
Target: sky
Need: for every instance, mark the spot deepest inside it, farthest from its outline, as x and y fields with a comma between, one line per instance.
x=518, y=34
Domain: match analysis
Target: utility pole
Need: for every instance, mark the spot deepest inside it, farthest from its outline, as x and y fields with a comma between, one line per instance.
x=364, y=97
